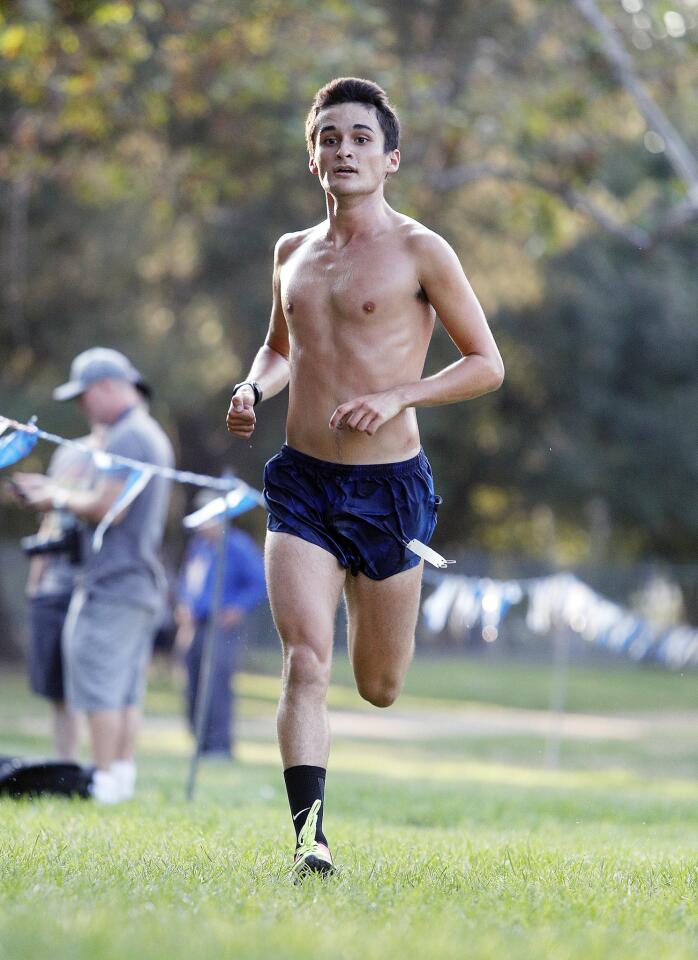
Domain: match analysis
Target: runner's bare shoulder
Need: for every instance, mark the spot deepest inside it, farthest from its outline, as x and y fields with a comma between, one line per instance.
x=423, y=242
x=290, y=242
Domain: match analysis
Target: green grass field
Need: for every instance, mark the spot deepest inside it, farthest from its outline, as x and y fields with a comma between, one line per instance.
x=453, y=837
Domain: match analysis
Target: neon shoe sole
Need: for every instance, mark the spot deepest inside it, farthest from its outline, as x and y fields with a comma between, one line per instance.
x=316, y=860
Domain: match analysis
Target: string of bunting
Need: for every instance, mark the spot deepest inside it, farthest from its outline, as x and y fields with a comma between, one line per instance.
x=22, y=441
x=237, y=496
x=460, y=604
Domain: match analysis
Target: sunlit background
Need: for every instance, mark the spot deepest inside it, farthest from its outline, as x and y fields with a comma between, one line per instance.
x=151, y=154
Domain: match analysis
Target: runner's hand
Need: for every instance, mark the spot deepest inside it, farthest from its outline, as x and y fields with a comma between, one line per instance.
x=241, y=417
x=366, y=414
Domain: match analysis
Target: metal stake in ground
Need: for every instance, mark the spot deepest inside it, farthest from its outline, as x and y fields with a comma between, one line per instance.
x=203, y=686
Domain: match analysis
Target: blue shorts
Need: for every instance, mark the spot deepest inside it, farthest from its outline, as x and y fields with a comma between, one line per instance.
x=362, y=514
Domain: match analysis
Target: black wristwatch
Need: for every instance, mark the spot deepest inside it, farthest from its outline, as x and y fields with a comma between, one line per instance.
x=255, y=386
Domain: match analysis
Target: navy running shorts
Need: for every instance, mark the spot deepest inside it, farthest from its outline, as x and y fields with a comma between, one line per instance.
x=362, y=514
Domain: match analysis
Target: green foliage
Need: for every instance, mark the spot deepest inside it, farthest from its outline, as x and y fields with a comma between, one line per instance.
x=151, y=153
x=616, y=396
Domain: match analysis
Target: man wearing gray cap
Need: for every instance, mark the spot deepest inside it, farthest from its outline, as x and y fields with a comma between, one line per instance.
x=116, y=606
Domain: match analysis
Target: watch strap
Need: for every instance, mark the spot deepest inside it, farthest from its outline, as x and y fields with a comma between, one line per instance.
x=255, y=387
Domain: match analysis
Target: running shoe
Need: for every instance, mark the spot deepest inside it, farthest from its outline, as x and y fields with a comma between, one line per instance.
x=311, y=855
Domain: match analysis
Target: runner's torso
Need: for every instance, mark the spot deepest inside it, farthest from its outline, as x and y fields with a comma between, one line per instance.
x=359, y=323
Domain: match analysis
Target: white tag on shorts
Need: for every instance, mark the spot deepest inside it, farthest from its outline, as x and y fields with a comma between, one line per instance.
x=426, y=553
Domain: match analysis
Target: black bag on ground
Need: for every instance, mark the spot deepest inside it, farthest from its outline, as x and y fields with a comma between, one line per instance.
x=20, y=777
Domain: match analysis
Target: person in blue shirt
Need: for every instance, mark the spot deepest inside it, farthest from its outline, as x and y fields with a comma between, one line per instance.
x=244, y=587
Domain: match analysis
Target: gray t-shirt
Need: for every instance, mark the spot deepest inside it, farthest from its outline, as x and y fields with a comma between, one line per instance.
x=128, y=567
x=53, y=574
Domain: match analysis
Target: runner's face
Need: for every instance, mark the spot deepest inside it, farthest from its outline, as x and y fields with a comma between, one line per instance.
x=349, y=157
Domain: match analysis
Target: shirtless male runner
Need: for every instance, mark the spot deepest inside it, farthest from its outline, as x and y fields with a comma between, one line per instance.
x=354, y=304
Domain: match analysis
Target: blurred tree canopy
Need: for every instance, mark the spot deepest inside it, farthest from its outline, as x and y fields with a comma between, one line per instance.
x=152, y=152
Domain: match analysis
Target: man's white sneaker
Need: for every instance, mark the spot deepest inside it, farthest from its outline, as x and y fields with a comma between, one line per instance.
x=104, y=787
x=124, y=771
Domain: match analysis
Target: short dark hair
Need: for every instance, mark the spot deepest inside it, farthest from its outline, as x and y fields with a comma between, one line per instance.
x=355, y=90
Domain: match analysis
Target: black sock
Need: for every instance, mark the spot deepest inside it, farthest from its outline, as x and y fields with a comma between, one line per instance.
x=305, y=785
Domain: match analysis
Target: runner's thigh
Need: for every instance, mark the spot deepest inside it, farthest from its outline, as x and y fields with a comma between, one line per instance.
x=382, y=615
x=304, y=584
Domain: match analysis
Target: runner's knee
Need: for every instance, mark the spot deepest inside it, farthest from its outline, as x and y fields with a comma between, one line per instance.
x=380, y=691
x=304, y=666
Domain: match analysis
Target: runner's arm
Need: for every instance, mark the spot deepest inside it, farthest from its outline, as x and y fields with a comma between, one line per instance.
x=270, y=366
x=480, y=368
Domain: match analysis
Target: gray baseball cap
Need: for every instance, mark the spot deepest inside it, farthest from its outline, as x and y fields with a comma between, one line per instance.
x=99, y=363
